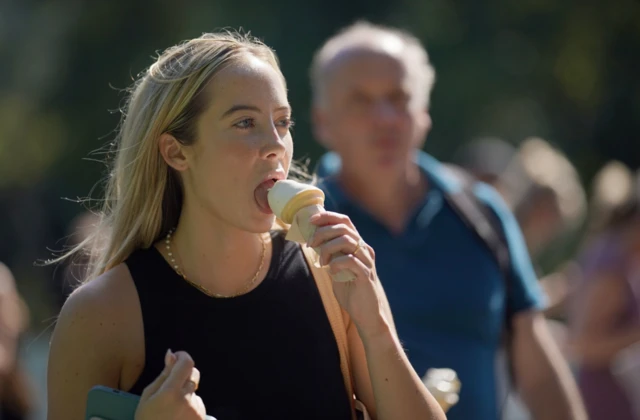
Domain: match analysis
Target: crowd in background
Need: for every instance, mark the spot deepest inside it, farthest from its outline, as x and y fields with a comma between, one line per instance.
x=594, y=298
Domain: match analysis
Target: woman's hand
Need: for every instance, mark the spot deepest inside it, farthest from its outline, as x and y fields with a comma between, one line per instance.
x=172, y=395
x=384, y=379
x=335, y=234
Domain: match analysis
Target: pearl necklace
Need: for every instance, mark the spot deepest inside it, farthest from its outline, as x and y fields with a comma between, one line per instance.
x=203, y=289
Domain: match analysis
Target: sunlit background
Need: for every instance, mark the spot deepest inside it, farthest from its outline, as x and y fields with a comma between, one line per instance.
x=563, y=71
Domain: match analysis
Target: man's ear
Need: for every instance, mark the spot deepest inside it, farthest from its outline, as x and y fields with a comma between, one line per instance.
x=172, y=152
x=320, y=127
x=424, y=127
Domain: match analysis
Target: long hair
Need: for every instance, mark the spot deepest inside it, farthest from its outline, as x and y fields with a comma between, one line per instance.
x=143, y=198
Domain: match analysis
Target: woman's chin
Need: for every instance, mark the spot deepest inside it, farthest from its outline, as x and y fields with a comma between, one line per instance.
x=262, y=224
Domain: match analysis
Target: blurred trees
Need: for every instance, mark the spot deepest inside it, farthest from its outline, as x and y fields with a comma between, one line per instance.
x=565, y=71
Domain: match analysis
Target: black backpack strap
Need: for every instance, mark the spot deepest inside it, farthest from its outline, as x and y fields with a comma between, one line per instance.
x=485, y=224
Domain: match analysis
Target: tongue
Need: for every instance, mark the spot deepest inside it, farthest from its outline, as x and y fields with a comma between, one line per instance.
x=261, y=196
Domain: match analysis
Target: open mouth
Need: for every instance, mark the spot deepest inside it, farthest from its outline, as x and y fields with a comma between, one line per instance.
x=261, y=193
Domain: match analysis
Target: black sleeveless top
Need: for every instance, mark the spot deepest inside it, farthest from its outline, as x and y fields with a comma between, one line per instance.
x=268, y=354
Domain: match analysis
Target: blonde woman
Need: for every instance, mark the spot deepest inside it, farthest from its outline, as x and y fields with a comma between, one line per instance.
x=190, y=262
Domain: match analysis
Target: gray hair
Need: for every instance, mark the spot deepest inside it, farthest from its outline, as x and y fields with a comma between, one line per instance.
x=363, y=34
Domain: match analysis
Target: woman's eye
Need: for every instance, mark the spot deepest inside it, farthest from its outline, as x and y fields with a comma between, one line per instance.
x=245, y=124
x=286, y=123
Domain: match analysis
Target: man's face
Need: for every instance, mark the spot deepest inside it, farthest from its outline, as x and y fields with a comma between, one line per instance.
x=370, y=115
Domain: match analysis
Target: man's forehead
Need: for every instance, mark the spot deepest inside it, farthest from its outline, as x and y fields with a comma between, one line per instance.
x=359, y=56
x=382, y=45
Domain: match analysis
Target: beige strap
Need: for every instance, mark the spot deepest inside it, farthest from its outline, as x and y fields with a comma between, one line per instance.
x=336, y=318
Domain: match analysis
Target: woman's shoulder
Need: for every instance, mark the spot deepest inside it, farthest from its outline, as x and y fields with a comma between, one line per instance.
x=95, y=339
x=99, y=313
x=107, y=294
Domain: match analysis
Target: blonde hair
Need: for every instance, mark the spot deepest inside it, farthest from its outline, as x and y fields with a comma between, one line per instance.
x=143, y=194
x=363, y=34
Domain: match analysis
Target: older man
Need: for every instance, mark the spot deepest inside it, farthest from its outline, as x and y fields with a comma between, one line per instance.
x=449, y=296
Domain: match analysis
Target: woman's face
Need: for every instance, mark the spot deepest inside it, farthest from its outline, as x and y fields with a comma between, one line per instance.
x=243, y=145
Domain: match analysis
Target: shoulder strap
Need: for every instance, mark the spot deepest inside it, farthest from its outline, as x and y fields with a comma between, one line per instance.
x=337, y=319
x=484, y=223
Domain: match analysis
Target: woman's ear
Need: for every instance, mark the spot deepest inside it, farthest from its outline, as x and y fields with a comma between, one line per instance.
x=172, y=152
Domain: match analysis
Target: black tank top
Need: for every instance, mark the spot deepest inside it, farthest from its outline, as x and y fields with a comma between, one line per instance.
x=268, y=354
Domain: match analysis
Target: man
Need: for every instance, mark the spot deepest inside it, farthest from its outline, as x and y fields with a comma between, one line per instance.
x=371, y=88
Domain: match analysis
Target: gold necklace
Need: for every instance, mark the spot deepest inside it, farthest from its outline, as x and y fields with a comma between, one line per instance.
x=203, y=289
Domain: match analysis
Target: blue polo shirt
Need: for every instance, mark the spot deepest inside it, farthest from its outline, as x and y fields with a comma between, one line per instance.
x=444, y=286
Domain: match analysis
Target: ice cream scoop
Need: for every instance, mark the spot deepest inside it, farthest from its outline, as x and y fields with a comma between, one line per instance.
x=294, y=203
x=286, y=197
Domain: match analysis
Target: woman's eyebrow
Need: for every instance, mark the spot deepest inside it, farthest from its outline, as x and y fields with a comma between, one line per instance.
x=240, y=107
x=237, y=108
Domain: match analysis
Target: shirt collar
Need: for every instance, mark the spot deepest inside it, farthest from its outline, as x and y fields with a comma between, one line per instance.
x=329, y=165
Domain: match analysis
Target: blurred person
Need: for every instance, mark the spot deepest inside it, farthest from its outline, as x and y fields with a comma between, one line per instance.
x=486, y=158
x=545, y=193
x=544, y=190
x=193, y=260
x=537, y=181
x=16, y=399
x=605, y=318
x=371, y=87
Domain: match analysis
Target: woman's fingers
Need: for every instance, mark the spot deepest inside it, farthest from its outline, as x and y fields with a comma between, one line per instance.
x=329, y=232
x=198, y=406
x=330, y=218
x=336, y=234
x=364, y=253
x=353, y=264
x=331, y=224
x=336, y=237
x=153, y=387
x=340, y=245
x=193, y=382
x=344, y=245
x=180, y=373
x=172, y=395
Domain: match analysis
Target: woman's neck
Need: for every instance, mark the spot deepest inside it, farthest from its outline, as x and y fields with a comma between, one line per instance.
x=219, y=257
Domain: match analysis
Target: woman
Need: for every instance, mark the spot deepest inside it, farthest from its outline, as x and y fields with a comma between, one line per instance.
x=606, y=307
x=190, y=263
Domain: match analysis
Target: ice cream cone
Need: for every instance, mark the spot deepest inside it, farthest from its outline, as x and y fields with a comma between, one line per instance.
x=444, y=385
x=294, y=203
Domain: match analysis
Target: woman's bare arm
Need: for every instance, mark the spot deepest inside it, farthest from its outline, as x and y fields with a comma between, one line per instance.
x=385, y=381
x=89, y=343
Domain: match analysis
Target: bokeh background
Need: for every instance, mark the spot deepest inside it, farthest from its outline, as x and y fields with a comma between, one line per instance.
x=564, y=71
